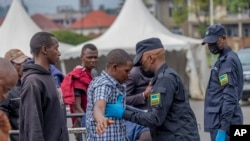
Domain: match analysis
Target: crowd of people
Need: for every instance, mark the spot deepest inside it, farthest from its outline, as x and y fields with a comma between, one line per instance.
x=140, y=99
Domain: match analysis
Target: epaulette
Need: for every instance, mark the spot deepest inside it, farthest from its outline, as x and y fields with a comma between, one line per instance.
x=166, y=72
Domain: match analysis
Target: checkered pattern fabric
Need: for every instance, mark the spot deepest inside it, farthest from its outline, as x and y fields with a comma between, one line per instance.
x=105, y=88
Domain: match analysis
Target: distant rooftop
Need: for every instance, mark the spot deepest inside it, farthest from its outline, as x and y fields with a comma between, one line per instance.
x=45, y=23
x=94, y=19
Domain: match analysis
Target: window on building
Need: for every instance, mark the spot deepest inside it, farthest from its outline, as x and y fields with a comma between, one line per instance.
x=246, y=30
x=170, y=11
x=203, y=13
x=176, y=30
x=170, y=8
x=232, y=30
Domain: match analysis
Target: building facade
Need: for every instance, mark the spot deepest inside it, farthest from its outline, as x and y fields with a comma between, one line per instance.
x=237, y=25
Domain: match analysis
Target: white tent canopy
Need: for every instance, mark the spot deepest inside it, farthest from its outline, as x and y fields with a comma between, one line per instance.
x=17, y=30
x=134, y=24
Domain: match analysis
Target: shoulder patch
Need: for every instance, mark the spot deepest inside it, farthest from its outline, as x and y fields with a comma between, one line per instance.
x=155, y=99
x=223, y=79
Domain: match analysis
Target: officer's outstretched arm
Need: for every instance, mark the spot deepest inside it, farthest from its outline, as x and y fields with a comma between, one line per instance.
x=160, y=101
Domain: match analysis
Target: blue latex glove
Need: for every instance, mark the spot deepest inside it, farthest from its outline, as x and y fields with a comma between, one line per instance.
x=115, y=110
x=221, y=136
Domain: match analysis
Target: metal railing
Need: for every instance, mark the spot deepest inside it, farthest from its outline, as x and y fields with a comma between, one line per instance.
x=75, y=115
x=70, y=130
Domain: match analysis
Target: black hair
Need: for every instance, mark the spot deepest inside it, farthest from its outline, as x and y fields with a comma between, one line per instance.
x=88, y=46
x=39, y=40
x=118, y=56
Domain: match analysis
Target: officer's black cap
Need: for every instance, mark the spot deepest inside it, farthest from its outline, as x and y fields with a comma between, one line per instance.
x=144, y=46
x=213, y=33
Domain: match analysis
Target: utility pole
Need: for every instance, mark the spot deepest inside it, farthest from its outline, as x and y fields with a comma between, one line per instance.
x=211, y=6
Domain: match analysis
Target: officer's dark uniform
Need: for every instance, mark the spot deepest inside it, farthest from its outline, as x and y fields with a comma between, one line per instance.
x=223, y=93
x=170, y=116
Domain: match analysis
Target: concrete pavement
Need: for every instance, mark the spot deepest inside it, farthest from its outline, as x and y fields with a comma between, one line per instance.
x=198, y=108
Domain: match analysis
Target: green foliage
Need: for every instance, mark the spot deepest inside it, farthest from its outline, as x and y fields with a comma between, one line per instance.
x=70, y=37
x=180, y=15
x=201, y=29
x=236, y=6
x=198, y=8
x=180, y=12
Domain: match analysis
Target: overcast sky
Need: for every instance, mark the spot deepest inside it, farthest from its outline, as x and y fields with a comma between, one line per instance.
x=49, y=6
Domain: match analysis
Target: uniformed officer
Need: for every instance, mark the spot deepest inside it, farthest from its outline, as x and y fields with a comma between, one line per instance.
x=225, y=86
x=169, y=115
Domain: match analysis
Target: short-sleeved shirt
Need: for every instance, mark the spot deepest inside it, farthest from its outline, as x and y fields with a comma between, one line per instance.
x=105, y=88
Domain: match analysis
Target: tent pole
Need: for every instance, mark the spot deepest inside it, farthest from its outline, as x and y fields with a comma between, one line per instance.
x=62, y=65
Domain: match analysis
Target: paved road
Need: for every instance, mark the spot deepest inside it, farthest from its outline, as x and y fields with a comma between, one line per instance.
x=198, y=107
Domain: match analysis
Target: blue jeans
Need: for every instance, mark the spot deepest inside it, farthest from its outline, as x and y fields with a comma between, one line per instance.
x=84, y=120
x=83, y=124
x=133, y=130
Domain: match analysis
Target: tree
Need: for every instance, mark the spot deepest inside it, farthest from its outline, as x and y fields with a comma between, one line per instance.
x=70, y=37
x=200, y=8
x=237, y=6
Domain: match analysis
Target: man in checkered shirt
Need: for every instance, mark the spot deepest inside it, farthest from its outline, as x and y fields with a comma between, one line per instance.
x=106, y=89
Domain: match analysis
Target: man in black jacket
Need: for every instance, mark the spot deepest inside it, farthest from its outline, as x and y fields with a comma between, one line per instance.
x=11, y=104
x=169, y=116
x=42, y=110
x=138, y=88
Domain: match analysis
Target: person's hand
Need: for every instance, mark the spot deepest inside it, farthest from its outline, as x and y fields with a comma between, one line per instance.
x=115, y=110
x=221, y=136
x=102, y=124
x=147, y=90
